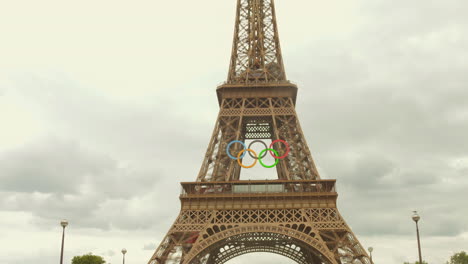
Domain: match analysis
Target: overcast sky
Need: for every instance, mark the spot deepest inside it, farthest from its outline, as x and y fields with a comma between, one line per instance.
x=105, y=106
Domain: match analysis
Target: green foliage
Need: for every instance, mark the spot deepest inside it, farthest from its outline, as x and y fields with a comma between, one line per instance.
x=417, y=262
x=88, y=259
x=459, y=258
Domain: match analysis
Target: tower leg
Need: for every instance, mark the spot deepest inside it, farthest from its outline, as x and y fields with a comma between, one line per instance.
x=307, y=236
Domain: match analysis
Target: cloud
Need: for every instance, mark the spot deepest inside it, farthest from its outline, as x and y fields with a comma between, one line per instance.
x=109, y=252
x=55, y=178
x=56, y=166
x=150, y=246
x=51, y=166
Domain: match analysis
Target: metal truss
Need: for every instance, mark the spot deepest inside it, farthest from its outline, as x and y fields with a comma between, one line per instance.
x=318, y=235
x=294, y=216
x=261, y=242
x=257, y=118
x=256, y=55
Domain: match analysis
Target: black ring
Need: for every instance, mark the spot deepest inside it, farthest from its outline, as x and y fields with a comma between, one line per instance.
x=255, y=141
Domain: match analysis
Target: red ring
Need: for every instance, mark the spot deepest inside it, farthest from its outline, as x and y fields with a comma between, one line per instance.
x=287, y=149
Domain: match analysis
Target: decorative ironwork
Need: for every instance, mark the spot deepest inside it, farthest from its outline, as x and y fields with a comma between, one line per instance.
x=256, y=55
x=222, y=216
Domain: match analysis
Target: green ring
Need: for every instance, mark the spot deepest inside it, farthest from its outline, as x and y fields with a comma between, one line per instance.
x=260, y=159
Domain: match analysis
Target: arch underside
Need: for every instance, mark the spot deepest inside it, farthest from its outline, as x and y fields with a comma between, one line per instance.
x=246, y=243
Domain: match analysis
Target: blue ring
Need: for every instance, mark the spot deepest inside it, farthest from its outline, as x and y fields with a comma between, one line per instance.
x=229, y=146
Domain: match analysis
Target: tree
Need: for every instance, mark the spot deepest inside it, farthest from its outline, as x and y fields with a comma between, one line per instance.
x=88, y=259
x=459, y=258
x=417, y=262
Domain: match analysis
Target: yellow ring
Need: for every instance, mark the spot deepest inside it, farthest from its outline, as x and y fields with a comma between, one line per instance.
x=240, y=162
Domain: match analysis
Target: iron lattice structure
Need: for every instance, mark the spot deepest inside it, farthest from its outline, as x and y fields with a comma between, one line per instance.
x=222, y=216
x=256, y=55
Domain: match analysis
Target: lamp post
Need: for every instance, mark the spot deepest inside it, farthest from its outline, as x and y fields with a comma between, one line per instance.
x=416, y=219
x=64, y=224
x=124, y=251
x=370, y=251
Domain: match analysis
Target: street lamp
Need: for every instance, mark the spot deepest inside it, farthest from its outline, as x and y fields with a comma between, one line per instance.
x=64, y=224
x=124, y=251
x=416, y=219
x=370, y=251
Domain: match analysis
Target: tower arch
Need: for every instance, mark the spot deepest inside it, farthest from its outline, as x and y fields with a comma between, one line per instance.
x=226, y=245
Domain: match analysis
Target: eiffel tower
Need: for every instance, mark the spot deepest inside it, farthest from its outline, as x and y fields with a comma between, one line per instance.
x=294, y=215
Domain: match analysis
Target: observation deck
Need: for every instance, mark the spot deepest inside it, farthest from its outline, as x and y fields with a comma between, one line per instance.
x=260, y=89
x=266, y=194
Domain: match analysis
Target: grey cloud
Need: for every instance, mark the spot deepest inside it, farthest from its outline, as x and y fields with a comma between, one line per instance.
x=51, y=166
x=93, y=210
x=43, y=259
x=109, y=252
x=114, y=190
x=54, y=179
x=64, y=167
x=150, y=246
x=145, y=129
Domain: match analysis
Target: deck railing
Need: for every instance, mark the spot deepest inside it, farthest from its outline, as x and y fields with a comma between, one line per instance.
x=258, y=187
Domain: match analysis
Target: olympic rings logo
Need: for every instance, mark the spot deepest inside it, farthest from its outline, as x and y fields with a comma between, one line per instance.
x=261, y=155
